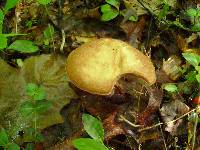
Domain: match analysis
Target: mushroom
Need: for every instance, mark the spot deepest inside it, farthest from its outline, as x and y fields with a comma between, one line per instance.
x=96, y=66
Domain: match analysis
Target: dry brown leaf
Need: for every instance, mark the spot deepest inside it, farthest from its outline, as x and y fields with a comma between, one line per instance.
x=171, y=111
x=172, y=67
x=155, y=98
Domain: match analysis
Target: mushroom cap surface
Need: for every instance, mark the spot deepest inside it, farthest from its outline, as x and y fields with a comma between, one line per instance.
x=96, y=66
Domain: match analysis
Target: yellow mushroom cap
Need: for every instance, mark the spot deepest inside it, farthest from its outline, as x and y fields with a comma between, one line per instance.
x=96, y=66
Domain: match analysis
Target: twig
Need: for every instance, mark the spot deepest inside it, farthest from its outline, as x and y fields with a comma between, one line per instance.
x=63, y=41
x=194, y=132
x=161, y=130
x=153, y=126
x=17, y=13
x=130, y=123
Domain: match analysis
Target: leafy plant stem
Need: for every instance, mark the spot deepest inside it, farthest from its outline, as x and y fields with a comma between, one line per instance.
x=35, y=122
x=52, y=38
x=35, y=126
x=45, y=6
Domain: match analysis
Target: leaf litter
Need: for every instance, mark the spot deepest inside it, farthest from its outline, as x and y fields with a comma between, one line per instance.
x=136, y=114
x=47, y=71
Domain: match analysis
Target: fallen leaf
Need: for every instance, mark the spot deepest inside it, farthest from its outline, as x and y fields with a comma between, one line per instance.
x=47, y=71
x=171, y=111
x=12, y=95
x=134, y=30
x=155, y=98
x=112, y=128
x=151, y=5
x=172, y=67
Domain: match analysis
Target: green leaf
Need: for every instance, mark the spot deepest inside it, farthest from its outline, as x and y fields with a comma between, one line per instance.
x=30, y=146
x=44, y=2
x=1, y=20
x=196, y=27
x=3, y=42
x=191, y=12
x=185, y=87
x=37, y=93
x=42, y=106
x=178, y=24
x=46, y=42
x=115, y=3
x=109, y=16
x=49, y=32
x=192, y=58
x=129, y=14
x=31, y=134
x=23, y=46
x=27, y=109
x=193, y=117
x=163, y=12
x=13, y=146
x=19, y=62
x=198, y=13
x=108, y=12
x=13, y=34
x=197, y=68
x=10, y=4
x=31, y=89
x=39, y=138
x=198, y=77
x=88, y=144
x=93, y=127
x=191, y=76
x=170, y=87
x=3, y=138
x=133, y=18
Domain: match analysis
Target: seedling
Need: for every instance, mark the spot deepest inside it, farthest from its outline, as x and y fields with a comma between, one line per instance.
x=6, y=142
x=194, y=60
x=95, y=130
x=111, y=10
x=32, y=108
x=23, y=46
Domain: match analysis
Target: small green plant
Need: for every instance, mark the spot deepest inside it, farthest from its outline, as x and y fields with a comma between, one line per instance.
x=194, y=14
x=9, y=5
x=111, y=10
x=32, y=108
x=44, y=2
x=170, y=87
x=6, y=143
x=164, y=11
x=95, y=130
x=48, y=35
x=191, y=73
x=24, y=46
x=194, y=60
